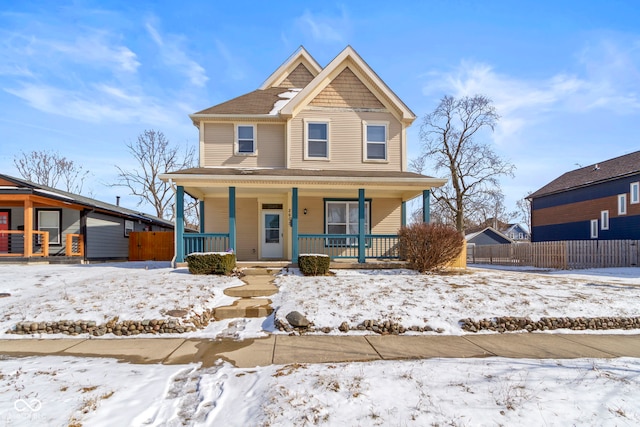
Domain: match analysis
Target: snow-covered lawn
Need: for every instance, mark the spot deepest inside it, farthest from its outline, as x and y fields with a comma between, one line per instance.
x=102, y=392
x=440, y=301
x=138, y=291
x=61, y=391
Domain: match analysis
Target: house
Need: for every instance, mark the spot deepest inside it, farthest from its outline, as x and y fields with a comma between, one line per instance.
x=487, y=236
x=600, y=202
x=41, y=222
x=313, y=161
x=516, y=232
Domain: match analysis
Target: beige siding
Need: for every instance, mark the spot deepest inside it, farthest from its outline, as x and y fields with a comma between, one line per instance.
x=386, y=216
x=216, y=215
x=271, y=145
x=346, y=140
x=247, y=229
x=299, y=77
x=219, y=139
x=346, y=90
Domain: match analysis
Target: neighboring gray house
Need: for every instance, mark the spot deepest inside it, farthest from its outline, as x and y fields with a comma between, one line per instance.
x=37, y=221
x=488, y=236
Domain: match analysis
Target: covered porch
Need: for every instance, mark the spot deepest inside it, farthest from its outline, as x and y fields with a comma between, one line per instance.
x=279, y=215
x=30, y=228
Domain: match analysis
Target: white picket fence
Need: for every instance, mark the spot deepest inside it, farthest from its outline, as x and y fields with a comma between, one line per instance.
x=562, y=255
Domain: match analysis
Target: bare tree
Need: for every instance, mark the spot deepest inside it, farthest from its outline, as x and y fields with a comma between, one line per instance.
x=524, y=210
x=155, y=156
x=448, y=136
x=51, y=169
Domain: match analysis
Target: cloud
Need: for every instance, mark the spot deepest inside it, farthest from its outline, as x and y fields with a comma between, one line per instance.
x=93, y=48
x=324, y=28
x=96, y=104
x=173, y=53
x=606, y=79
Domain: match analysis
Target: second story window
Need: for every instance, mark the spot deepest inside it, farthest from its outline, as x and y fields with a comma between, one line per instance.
x=635, y=193
x=375, y=141
x=317, y=140
x=622, y=204
x=245, y=137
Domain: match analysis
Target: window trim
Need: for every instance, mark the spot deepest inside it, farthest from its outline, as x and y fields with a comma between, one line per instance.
x=236, y=148
x=307, y=122
x=58, y=241
x=634, y=193
x=622, y=204
x=594, y=228
x=367, y=220
x=365, y=141
x=128, y=230
x=604, y=220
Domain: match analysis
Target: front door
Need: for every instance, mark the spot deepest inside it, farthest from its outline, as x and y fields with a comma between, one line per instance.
x=271, y=237
x=4, y=226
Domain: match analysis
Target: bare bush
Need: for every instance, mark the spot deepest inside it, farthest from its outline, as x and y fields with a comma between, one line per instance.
x=429, y=247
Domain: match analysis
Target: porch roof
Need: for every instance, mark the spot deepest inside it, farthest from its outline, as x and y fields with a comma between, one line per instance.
x=201, y=182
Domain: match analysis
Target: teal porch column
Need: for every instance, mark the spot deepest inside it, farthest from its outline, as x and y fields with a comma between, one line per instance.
x=403, y=214
x=362, y=250
x=201, y=209
x=426, y=200
x=294, y=226
x=180, y=224
x=232, y=219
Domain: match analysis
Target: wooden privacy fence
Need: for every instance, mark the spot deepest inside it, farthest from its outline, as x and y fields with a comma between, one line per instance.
x=562, y=255
x=151, y=246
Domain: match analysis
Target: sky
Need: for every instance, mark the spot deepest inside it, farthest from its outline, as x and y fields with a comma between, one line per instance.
x=85, y=78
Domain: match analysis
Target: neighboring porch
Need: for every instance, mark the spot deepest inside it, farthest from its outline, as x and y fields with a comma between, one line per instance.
x=31, y=227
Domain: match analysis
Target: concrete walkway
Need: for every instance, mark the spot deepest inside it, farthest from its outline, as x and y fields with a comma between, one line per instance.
x=285, y=349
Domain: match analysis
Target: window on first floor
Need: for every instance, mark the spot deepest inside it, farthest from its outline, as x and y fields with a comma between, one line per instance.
x=635, y=193
x=622, y=204
x=341, y=217
x=594, y=228
x=128, y=227
x=604, y=220
x=49, y=220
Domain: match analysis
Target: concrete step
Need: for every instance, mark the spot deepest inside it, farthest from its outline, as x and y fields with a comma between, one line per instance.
x=245, y=307
x=260, y=271
x=252, y=290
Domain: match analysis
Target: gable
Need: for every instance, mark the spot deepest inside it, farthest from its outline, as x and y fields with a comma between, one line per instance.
x=290, y=70
x=298, y=78
x=346, y=90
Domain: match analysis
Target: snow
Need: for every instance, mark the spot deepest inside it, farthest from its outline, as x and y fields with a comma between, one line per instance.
x=286, y=97
x=56, y=390
x=442, y=300
x=101, y=392
x=146, y=290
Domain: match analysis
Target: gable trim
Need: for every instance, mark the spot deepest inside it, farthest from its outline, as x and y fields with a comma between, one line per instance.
x=300, y=56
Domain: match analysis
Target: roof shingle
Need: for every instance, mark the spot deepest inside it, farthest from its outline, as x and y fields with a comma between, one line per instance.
x=599, y=172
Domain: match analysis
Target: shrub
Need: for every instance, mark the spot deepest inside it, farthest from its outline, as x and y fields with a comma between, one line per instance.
x=314, y=265
x=428, y=247
x=211, y=263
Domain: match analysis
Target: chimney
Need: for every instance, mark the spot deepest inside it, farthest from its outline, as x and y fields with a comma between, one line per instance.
x=117, y=200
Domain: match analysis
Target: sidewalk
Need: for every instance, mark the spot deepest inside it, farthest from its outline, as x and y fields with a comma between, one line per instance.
x=284, y=349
